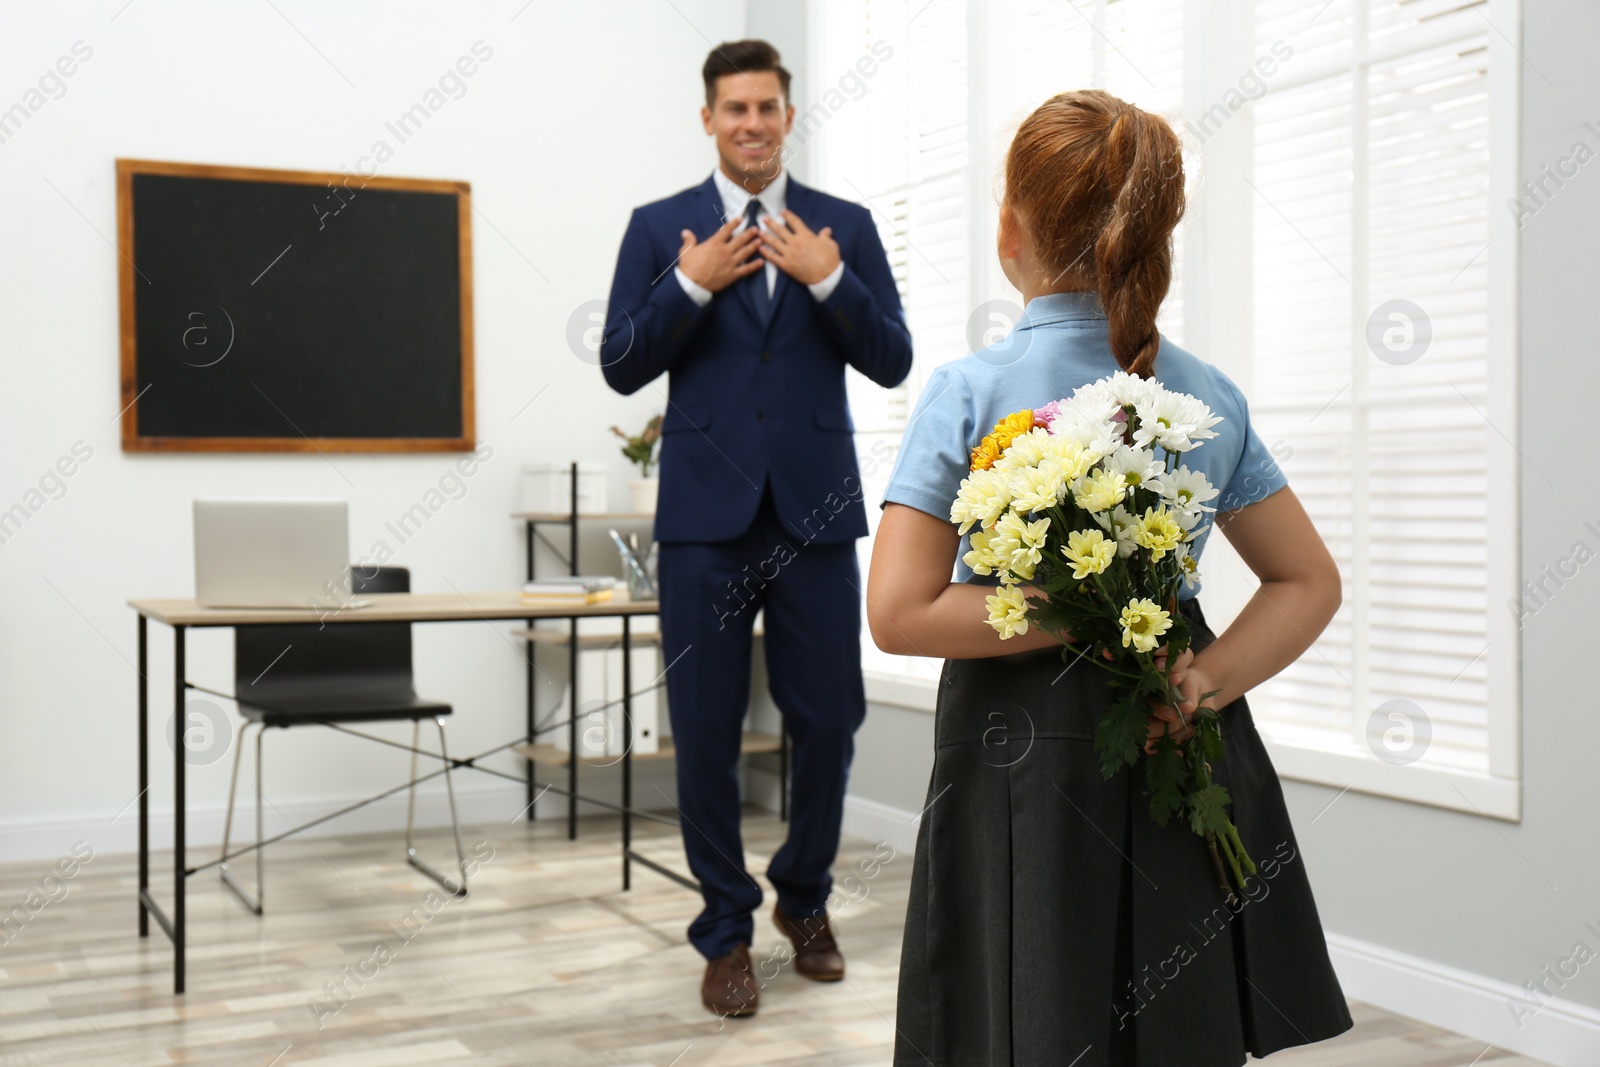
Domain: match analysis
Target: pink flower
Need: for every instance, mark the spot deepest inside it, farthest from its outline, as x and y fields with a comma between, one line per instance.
x=1044, y=416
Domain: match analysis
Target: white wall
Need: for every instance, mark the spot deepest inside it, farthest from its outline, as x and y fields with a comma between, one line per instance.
x=582, y=112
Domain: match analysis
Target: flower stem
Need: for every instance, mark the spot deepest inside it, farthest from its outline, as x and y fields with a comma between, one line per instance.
x=1216, y=865
x=1238, y=848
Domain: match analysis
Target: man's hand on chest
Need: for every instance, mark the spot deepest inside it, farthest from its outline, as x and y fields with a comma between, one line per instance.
x=806, y=256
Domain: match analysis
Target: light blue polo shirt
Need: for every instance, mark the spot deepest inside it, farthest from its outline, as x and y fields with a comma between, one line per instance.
x=1060, y=343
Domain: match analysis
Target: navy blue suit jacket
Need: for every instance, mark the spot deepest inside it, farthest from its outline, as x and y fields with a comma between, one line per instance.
x=745, y=401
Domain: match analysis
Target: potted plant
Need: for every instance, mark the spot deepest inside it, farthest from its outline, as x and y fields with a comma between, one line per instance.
x=641, y=449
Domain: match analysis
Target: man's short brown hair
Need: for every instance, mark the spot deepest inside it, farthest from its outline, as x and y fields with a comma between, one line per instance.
x=742, y=57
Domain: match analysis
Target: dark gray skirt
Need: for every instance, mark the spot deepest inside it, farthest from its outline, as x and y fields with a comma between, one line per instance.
x=1051, y=921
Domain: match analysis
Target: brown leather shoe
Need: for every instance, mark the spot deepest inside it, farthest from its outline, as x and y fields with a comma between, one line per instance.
x=729, y=987
x=816, y=955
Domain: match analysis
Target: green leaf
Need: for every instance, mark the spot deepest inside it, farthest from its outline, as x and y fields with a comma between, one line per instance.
x=1164, y=773
x=1208, y=809
x=1120, y=734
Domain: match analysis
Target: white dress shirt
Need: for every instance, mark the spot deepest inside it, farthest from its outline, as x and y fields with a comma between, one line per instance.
x=735, y=200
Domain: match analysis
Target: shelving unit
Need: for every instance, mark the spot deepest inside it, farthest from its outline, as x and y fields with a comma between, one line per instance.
x=536, y=754
x=551, y=756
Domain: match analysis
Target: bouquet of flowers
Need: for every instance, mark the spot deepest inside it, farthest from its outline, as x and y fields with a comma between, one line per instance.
x=1074, y=499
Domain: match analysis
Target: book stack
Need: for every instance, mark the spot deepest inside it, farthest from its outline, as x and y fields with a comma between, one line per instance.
x=574, y=590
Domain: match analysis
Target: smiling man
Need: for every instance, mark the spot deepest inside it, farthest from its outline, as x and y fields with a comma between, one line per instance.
x=753, y=293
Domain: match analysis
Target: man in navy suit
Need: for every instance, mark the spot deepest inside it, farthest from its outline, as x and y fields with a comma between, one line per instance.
x=754, y=293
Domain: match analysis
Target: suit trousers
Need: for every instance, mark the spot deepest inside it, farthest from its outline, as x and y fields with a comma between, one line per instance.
x=811, y=599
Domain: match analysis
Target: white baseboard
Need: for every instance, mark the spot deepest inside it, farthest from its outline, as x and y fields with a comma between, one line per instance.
x=1559, y=1032
x=874, y=821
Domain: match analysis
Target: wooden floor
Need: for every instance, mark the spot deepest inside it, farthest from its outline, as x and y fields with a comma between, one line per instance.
x=546, y=963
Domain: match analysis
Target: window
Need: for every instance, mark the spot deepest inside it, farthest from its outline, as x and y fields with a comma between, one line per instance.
x=1340, y=258
x=1370, y=297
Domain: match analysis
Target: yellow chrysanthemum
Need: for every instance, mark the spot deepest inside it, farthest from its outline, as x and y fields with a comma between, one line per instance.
x=982, y=498
x=1158, y=532
x=999, y=439
x=1100, y=490
x=1073, y=457
x=981, y=557
x=1036, y=488
x=1143, y=623
x=1025, y=450
x=1016, y=543
x=1089, y=552
x=1008, y=611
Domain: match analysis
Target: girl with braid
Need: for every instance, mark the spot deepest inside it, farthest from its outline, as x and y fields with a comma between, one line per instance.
x=1051, y=921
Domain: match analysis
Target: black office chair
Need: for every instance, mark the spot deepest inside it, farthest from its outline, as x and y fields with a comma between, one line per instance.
x=336, y=672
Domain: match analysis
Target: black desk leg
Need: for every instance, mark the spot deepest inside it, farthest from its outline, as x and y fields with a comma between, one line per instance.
x=533, y=672
x=179, y=763
x=627, y=749
x=572, y=657
x=144, y=776
x=528, y=650
x=572, y=729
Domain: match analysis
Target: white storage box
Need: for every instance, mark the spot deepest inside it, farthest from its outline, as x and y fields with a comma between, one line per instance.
x=548, y=487
x=600, y=693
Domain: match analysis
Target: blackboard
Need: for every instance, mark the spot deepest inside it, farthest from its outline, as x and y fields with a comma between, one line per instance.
x=273, y=310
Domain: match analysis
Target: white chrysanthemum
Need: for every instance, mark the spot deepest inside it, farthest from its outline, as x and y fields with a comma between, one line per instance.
x=1008, y=611
x=1130, y=388
x=983, y=497
x=1175, y=421
x=1088, y=403
x=1188, y=564
x=1138, y=466
x=1115, y=390
x=1186, y=491
x=1097, y=440
x=1036, y=488
x=1017, y=543
x=1121, y=524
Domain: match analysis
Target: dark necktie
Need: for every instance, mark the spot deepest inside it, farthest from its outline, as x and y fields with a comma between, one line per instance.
x=758, y=279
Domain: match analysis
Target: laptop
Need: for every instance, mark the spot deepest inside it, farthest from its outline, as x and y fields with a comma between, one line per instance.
x=272, y=553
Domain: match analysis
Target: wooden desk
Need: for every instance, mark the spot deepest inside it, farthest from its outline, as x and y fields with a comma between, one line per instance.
x=395, y=607
x=385, y=607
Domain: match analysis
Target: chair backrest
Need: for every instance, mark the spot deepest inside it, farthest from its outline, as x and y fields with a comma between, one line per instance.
x=271, y=659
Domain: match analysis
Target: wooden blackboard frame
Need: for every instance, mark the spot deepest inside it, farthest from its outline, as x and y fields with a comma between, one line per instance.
x=126, y=276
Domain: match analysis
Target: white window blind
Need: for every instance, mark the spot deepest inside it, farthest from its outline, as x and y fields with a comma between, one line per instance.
x=1372, y=186
x=901, y=150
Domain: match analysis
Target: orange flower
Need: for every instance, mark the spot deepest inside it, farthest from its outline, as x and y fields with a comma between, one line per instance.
x=999, y=439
